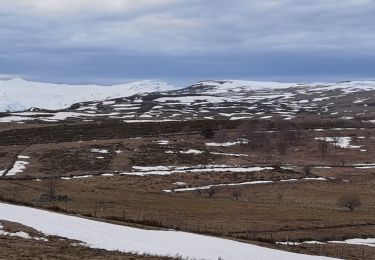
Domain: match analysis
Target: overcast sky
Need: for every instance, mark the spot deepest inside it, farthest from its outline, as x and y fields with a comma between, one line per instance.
x=180, y=41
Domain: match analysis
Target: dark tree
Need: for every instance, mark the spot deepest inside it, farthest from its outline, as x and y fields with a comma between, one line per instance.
x=323, y=146
x=307, y=170
x=207, y=133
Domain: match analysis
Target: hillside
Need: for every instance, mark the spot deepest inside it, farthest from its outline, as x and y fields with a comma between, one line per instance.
x=18, y=94
x=232, y=100
x=230, y=169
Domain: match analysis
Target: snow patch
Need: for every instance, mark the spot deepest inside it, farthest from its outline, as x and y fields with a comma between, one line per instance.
x=342, y=142
x=19, y=166
x=167, y=170
x=237, y=184
x=103, y=151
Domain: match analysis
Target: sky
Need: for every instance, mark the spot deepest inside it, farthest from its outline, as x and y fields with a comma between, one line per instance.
x=183, y=41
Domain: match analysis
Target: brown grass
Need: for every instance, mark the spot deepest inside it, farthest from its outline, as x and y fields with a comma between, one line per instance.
x=294, y=211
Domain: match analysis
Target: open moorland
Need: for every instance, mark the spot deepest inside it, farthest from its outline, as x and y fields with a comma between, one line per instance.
x=273, y=183
x=284, y=167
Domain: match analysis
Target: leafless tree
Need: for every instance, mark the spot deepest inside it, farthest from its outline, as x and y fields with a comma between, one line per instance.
x=288, y=131
x=211, y=192
x=99, y=207
x=267, y=148
x=281, y=145
x=236, y=193
x=243, y=133
x=349, y=201
x=342, y=161
x=186, y=132
x=14, y=193
x=323, y=146
x=221, y=135
x=279, y=198
x=257, y=139
x=51, y=184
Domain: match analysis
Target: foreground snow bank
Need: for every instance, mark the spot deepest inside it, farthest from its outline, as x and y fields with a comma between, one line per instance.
x=115, y=237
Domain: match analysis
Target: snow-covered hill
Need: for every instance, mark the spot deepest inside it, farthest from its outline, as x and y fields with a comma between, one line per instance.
x=225, y=99
x=224, y=86
x=18, y=94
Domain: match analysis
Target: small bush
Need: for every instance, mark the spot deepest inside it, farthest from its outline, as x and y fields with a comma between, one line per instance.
x=207, y=133
x=349, y=201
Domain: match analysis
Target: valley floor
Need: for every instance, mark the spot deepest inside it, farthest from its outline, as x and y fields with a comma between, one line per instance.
x=251, y=181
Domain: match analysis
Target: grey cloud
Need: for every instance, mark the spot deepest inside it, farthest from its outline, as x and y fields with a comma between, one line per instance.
x=170, y=37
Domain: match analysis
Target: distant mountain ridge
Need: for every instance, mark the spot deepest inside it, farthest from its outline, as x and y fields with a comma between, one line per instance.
x=213, y=99
x=18, y=94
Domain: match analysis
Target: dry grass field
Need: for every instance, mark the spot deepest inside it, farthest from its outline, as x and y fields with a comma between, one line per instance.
x=294, y=200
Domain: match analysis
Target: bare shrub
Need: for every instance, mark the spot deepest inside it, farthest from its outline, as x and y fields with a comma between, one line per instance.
x=221, y=135
x=288, y=131
x=243, y=133
x=307, y=170
x=211, y=192
x=51, y=185
x=279, y=198
x=349, y=201
x=207, y=133
x=281, y=145
x=236, y=193
x=323, y=146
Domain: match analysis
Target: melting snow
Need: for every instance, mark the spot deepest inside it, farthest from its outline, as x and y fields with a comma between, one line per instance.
x=167, y=170
x=179, y=183
x=128, y=239
x=19, y=166
x=238, y=184
x=342, y=142
x=191, y=151
x=103, y=151
x=163, y=142
x=357, y=241
x=225, y=144
x=231, y=154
